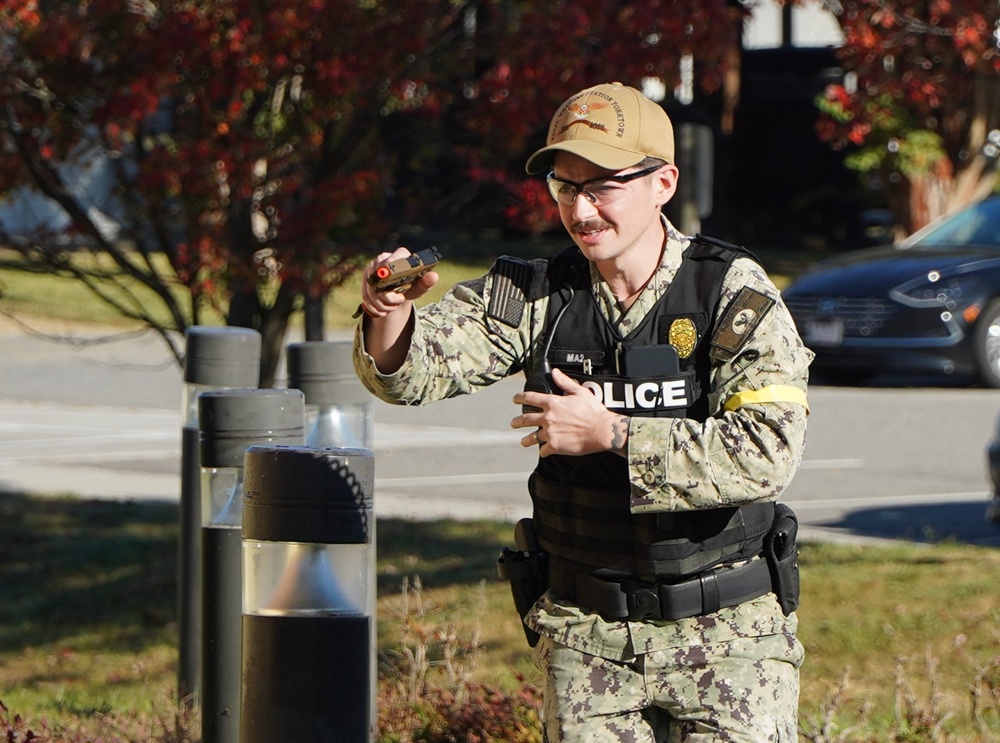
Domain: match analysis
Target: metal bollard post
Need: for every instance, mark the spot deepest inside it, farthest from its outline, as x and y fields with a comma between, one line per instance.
x=308, y=595
x=338, y=407
x=215, y=358
x=231, y=421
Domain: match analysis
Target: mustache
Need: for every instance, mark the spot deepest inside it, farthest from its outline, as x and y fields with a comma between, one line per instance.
x=591, y=225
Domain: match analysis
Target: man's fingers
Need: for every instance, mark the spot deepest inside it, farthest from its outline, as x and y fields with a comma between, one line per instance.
x=566, y=383
x=526, y=420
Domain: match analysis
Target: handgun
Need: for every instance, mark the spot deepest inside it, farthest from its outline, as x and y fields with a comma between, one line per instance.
x=399, y=275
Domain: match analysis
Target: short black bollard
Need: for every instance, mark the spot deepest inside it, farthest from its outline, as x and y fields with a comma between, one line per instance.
x=215, y=358
x=309, y=595
x=338, y=407
x=231, y=421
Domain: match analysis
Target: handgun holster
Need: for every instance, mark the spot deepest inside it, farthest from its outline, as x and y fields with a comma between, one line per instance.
x=782, y=555
x=527, y=570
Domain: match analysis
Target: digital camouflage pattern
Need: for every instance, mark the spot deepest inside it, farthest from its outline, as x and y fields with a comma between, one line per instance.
x=743, y=691
x=735, y=457
x=674, y=464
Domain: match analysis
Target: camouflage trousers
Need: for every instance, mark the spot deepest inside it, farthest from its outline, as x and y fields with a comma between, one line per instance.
x=745, y=691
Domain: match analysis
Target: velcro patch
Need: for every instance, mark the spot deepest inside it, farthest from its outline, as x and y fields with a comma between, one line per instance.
x=511, y=282
x=740, y=319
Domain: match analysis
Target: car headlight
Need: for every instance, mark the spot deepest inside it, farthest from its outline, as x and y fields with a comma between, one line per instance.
x=936, y=291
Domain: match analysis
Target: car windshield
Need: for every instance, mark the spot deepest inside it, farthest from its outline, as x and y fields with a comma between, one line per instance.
x=977, y=225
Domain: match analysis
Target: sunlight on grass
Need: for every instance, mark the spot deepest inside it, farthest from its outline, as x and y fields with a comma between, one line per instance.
x=63, y=298
x=916, y=626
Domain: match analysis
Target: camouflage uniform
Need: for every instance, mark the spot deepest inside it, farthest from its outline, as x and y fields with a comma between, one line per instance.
x=731, y=675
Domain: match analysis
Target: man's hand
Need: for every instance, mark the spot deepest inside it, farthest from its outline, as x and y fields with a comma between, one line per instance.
x=573, y=423
x=387, y=327
x=378, y=304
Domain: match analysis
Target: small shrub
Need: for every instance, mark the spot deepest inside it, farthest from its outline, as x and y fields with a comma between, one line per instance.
x=426, y=695
x=472, y=713
x=16, y=730
x=179, y=726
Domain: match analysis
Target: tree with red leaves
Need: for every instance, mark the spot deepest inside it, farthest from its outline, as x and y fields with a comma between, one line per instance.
x=257, y=151
x=922, y=111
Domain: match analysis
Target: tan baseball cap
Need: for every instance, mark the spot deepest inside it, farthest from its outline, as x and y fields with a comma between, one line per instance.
x=611, y=125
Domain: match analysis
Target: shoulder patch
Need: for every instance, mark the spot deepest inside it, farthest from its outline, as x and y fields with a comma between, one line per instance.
x=738, y=322
x=509, y=289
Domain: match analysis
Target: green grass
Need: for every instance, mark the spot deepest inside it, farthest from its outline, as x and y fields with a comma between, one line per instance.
x=87, y=618
x=39, y=295
x=908, y=622
x=25, y=293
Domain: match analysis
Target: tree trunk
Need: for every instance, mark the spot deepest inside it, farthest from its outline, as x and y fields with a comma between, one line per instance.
x=274, y=328
x=973, y=183
x=313, y=311
x=928, y=198
x=918, y=200
x=246, y=311
x=938, y=193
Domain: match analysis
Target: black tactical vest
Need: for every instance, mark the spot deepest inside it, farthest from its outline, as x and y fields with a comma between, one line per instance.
x=661, y=369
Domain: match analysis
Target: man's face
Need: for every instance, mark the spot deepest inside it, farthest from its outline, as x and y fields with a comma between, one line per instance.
x=630, y=220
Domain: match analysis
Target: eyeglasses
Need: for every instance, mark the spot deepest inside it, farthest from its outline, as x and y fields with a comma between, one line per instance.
x=599, y=191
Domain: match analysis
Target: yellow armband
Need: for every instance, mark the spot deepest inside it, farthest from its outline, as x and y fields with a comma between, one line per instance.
x=773, y=393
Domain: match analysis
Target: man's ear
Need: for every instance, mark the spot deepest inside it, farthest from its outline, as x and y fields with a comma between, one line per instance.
x=665, y=180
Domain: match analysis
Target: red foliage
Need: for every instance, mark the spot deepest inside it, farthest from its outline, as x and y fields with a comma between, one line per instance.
x=531, y=207
x=931, y=59
x=927, y=71
x=243, y=126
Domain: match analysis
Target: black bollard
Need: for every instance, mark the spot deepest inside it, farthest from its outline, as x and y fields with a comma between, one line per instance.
x=231, y=421
x=309, y=595
x=215, y=358
x=338, y=407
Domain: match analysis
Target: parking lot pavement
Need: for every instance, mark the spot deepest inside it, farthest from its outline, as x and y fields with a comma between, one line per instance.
x=95, y=413
x=422, y=471
x=94, y=452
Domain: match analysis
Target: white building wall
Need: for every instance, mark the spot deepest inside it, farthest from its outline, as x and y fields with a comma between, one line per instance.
x=813, y=25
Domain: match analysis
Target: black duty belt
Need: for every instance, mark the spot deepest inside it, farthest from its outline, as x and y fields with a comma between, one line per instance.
x=638, y=600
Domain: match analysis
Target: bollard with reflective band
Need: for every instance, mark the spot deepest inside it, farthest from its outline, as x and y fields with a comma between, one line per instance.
x=308, y=595
x=338, y=407
x=215, y=358
x=231, y=422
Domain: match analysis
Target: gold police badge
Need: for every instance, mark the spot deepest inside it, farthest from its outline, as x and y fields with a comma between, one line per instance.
x=683, y=336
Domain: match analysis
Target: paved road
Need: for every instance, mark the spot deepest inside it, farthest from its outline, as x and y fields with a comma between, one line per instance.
x=100, y=417
x=97, y=414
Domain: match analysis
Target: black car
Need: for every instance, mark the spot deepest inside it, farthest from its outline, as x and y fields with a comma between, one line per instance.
x=928, y=305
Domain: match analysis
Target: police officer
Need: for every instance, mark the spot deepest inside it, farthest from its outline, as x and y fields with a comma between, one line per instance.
x=666, y=393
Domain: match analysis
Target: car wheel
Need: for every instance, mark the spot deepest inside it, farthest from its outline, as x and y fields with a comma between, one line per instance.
x=988, y=345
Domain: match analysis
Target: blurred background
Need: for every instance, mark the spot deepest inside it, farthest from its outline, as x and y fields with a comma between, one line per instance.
x=232, y=162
